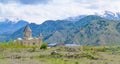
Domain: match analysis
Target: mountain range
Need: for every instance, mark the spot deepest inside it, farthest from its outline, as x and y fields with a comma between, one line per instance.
x=8, y=27
x=84, y=29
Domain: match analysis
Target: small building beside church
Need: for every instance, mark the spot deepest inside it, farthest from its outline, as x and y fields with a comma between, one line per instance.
x=28, y=40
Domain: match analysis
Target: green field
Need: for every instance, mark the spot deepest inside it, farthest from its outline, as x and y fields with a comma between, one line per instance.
x=10, y=54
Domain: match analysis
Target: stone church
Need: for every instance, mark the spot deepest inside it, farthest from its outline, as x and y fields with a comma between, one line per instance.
x=28, y=40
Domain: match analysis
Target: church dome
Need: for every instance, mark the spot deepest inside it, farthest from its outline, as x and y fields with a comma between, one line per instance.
x=27, y=29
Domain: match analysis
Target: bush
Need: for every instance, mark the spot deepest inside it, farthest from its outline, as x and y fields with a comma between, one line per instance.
x=44, y=46
x=89, y=55
x=76, y=62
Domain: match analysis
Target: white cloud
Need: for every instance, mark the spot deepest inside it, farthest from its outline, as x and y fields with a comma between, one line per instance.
x=56, y=9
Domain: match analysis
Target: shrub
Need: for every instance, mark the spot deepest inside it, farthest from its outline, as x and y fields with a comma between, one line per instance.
x=89, y=55
x=76, y=62
x=44, y=46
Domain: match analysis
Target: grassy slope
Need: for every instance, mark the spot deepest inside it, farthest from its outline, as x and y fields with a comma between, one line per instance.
x=64, y=55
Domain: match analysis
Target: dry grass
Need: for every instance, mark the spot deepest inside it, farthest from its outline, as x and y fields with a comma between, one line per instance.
x=63, y=55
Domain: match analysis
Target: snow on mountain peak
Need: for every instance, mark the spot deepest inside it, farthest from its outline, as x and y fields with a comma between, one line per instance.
x=13, y=19
x=109, y=15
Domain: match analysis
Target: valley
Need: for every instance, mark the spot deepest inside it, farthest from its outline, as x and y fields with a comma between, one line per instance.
x=59, y=31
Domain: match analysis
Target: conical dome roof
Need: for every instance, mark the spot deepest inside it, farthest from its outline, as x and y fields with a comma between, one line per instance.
x=27, y=28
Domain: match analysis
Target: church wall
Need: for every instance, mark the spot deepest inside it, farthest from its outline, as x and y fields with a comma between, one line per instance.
x=28, y=35
x=31, y=42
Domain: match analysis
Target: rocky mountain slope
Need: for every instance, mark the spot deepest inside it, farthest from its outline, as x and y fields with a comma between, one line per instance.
x=90, y=30
x=85, y=29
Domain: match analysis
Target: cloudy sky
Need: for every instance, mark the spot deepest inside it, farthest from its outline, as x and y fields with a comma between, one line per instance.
x=40, y=10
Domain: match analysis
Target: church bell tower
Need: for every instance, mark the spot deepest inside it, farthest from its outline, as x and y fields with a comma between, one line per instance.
x=27, y=33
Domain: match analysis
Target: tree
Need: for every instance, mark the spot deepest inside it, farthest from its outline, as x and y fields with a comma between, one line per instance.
x=44, y=46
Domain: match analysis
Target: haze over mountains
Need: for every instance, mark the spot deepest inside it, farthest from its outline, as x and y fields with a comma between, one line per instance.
x=84, y=29
x=8, y=27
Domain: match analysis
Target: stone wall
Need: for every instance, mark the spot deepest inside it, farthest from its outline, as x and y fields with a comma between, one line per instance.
x=32, y=42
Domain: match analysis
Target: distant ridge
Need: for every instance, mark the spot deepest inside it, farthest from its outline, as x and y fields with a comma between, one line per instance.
x=90, y=30
x=85, y=30
x=8, y=27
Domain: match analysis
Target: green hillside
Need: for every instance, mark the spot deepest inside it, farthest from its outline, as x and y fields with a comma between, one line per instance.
x=90, y=30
